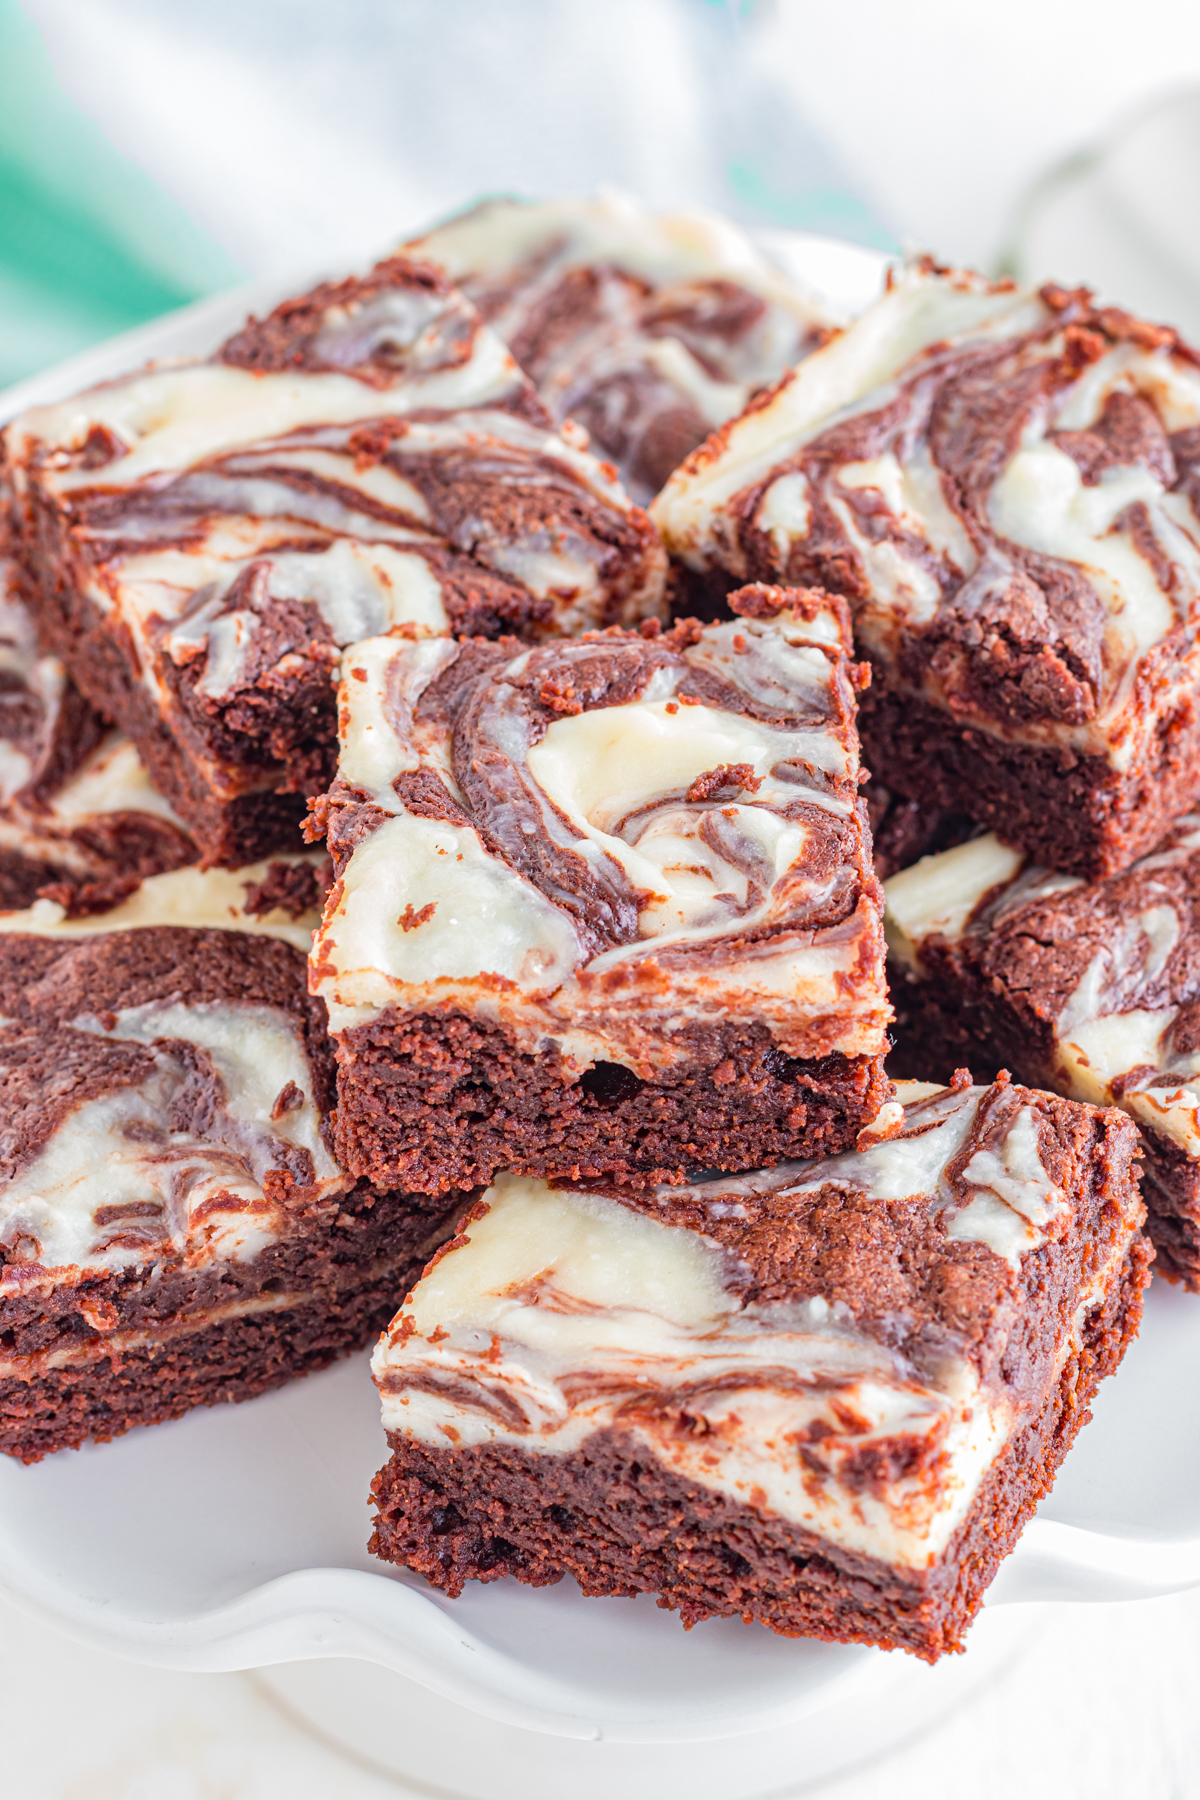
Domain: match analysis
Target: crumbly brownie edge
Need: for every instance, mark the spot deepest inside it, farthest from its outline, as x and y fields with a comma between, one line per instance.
x=1171, y=1190
x=431, y=1102
x=324, y=1252
x=104, y=1394
x=1077, y=814
x=621, y=1524
x=230, y=830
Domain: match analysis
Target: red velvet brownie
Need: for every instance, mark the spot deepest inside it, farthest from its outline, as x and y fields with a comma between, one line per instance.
x=603, y=907
x=648, y=328
x=175, y=1229
x=204, y=536
x=1089, y=988
x=79, y=819
x=826, y=1398
x=1005, y=485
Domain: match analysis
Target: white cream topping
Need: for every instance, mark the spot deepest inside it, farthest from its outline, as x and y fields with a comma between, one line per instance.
x=427, y=915
x=1105, y=1030
x=173, y=1190
x=833, y=383
x=208, y=899
x=360, y=590
x=1012, y=1199
x=1039, y=500
x=113, y=779
x=422, y=902
x=174, y=417
x=784, y=511
x=612, y=229
x=936, y=896
x=565, y=1315
x=381, y=686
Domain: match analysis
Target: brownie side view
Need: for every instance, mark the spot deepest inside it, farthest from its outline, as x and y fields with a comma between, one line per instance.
x=1089, y=988
x=79, y=820
x=649, y=329
x=1004, y=485
x=603, y=907
x=825, y=1399
x=203, y=537
x=175, y=1228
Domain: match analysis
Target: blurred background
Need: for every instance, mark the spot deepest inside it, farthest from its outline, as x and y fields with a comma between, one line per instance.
x=152, y=151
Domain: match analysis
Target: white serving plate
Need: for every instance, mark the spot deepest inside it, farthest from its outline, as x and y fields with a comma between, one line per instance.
x=236, y=1538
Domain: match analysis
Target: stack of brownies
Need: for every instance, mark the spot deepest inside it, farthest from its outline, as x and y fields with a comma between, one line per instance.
x=587, y=1075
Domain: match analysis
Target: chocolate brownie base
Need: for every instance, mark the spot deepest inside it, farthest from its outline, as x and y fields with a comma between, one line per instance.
x=623, y=1525
x=233, y=827
x=952, y=1020
x=1074, y=813
x=959, y=1016
x=102, y=1393
x=431, y=1102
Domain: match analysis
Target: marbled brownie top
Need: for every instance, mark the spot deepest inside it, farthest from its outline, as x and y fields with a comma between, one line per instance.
x=848, y=1344
x=1005, y=485
x=605, y=844
x=648, y=328
x=77, y=810
x=164, y=1077
x=1110, y=970
x=368, y=458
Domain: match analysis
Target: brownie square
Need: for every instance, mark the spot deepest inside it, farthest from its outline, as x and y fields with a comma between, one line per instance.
x=649, y=329
x=826, y=1398
x=203, y=537
x=175, y=1228
x=1090, y=988
x=603, y=907
x=79, y=820
x=1004, y=484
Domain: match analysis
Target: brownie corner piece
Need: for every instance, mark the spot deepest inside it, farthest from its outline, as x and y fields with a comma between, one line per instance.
x=175, y=1228
x=825, y=1398
x=203, y=538
x=648, y=328
x=1085, y=987
x=604, y=907
x=1005, y=485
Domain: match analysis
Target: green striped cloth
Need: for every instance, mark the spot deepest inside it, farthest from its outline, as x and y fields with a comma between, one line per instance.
x=88, y=244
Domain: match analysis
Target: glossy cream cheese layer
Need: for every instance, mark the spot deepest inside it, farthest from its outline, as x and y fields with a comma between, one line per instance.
x=427, y=914
x=169, y=1191
x=173, y=417
x=204, y=899
x=567, y=1315
x=1113, y=1026
x=1038, y=501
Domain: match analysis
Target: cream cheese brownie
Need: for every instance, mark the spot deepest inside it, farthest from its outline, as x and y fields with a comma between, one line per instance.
x=203, y=537
x=1089, y=988
x=79, y=819
x=650, y=329
x=1004, y=485
x=175, y=1229
x=603, y=907
x=826, y=1398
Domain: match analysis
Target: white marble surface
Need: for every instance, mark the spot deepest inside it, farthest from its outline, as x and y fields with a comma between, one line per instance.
x=1102, y=1704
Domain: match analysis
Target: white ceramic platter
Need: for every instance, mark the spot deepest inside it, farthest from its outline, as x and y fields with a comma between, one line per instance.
x=236, y=1538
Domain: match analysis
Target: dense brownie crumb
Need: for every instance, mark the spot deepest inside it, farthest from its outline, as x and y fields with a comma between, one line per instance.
x=433, y=1102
